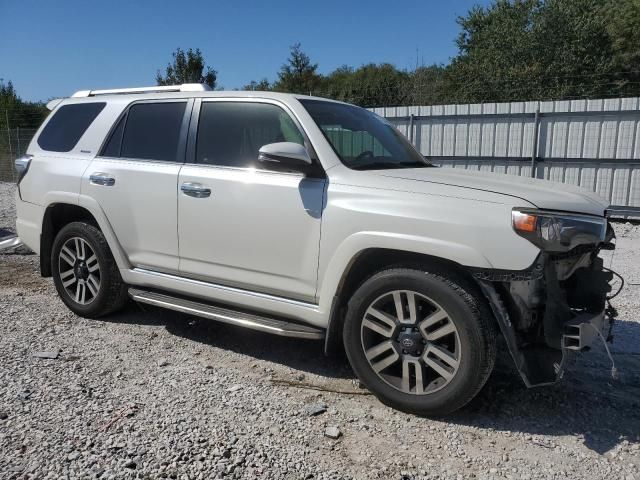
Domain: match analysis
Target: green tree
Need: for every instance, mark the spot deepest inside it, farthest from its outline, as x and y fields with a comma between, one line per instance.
x=339, y=84
x=187, y=67
x=496, y=52
x=428, y=85
x=298, y=75
x=623, y=27
x=22, y=118
x=574, y=49
x=263, y=85
x=533, y=49
x=20, y=114
x=370, y=85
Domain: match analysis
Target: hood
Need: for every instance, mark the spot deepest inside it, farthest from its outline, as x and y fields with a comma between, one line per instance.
x=543, y=194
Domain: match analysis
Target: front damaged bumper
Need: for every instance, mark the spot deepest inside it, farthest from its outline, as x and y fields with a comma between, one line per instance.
x=551, y=310
x=582, y=331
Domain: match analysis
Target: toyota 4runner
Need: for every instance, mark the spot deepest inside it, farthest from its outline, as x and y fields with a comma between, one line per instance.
x=314, y=219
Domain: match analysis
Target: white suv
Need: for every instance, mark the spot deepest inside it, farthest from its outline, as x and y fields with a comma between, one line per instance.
x=315, y=219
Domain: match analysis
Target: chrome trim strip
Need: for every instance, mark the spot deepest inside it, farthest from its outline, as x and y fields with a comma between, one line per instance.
x=226, y=288
x=249, y=169
x=246, y=320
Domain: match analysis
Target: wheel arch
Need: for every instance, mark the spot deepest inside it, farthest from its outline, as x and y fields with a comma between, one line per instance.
x=366, y=263
x=59, y=214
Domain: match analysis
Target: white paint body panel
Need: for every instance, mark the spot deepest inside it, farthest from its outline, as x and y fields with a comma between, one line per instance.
x=274, y=242
x=258, y=230
x=540, y=193
x=141, y=208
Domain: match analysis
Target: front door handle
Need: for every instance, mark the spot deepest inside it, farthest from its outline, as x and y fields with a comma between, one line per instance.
x=196, y=190
x=100, y=178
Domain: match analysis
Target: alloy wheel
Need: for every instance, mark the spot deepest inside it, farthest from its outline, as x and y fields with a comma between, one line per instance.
x=410, y=342
x=79, y=270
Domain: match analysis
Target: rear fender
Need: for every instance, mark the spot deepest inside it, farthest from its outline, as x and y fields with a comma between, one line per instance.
x=103, y=222
x=89, y=204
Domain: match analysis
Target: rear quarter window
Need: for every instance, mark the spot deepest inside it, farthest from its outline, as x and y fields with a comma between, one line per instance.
x=67, y=125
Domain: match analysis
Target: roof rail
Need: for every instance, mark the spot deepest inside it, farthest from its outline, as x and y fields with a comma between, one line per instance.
x=185, y=87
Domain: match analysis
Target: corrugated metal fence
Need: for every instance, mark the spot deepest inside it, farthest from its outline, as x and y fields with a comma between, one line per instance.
x=591, y=143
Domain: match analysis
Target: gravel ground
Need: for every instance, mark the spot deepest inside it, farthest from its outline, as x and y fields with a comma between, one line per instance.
x=7, y=206
x=155, y=394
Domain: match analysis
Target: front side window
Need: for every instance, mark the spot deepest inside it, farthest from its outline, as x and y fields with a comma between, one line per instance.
x=361, y=139
x=149, y=131
x=67, y=125
x=231, y=133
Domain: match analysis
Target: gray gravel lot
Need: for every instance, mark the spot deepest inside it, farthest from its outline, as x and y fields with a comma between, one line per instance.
x=7, y=206
x=155, y=394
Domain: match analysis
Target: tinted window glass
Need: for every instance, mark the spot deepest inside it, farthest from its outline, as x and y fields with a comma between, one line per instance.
x=231, y=133
x=363, y=140
x=67, y=125
x=112, y=148
x=152, y=131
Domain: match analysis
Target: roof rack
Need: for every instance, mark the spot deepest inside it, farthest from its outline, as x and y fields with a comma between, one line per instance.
x=185, y=87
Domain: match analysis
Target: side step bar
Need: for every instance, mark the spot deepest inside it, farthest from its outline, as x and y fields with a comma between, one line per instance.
x=9, y=242
x=225, y=315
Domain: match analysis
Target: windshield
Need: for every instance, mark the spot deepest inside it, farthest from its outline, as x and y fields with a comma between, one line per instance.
x=363, y=140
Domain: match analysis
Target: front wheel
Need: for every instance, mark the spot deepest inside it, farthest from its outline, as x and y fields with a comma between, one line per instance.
x=85, y=273
x=422, y=342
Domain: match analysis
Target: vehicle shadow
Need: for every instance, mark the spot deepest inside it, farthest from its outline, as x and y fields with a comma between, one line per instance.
x=304, y=355
x=588, y=403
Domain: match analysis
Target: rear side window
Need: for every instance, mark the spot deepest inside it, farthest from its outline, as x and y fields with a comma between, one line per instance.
x=67, y=125
x=231, y=133
x=112, y=149
x=152, y=131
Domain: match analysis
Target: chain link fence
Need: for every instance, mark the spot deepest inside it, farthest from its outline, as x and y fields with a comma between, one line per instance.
x=13, y=143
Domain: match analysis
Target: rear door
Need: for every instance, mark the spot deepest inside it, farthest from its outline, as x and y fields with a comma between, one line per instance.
x=134, y=179
x=248, y=227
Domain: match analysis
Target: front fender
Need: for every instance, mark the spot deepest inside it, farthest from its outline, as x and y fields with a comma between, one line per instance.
x=352, y=246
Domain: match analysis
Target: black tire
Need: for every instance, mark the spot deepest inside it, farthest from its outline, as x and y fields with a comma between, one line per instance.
x=475, y=330
x=111, y=294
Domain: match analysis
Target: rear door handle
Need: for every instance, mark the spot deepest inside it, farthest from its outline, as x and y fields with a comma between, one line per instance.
x=100, y=178
x=196, y=190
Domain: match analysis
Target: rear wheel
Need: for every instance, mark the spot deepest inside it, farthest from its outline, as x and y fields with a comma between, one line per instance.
x=85, y=273
x=421, y=342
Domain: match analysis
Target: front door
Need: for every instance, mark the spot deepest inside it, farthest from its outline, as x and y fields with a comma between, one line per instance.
x=242, y=225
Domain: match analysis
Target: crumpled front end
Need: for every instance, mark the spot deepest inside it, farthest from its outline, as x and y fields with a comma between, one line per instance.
x=554, y=308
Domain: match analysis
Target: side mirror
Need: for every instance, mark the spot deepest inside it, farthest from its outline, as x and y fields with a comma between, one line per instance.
x=285, y=155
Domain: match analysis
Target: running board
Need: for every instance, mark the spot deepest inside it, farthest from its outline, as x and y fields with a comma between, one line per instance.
x=225, y=315
x=10, y=241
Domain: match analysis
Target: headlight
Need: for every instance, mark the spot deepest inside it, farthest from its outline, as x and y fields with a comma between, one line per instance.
x=558, y=232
